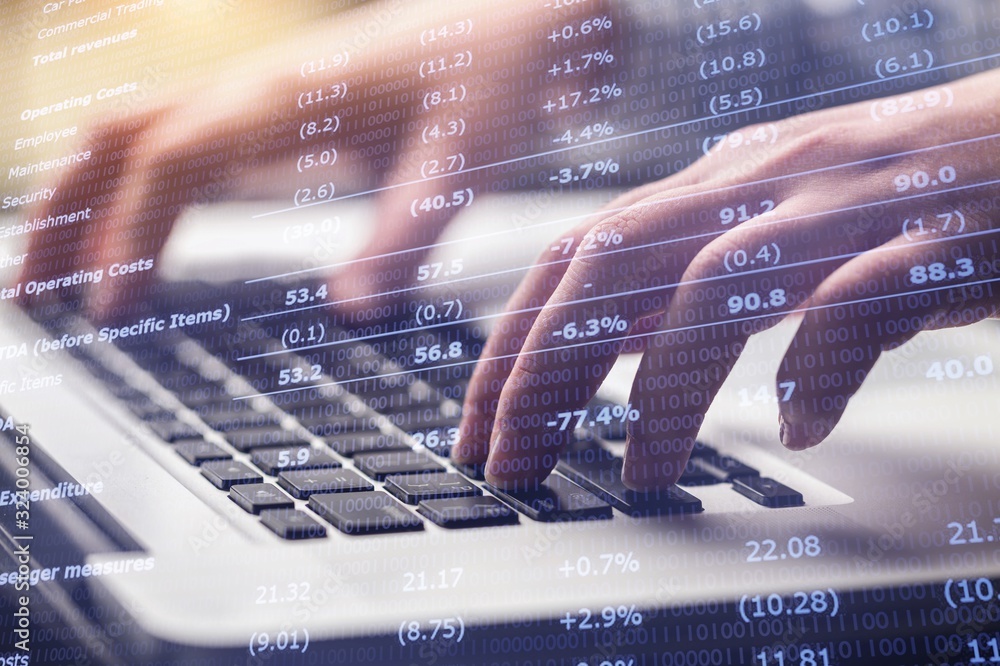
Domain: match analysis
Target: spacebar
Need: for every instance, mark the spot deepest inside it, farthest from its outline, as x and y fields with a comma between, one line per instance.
x=601, y=475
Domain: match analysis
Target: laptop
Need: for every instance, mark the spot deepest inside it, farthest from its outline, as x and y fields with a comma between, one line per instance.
x=234, y=473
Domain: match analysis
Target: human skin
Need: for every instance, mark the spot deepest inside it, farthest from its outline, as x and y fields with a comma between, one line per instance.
x=824, y=176
x=836, y=186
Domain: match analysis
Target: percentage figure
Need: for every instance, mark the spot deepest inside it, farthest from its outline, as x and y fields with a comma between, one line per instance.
x=629, y=616
x=604, y=167
x=625, y=413
x=603, y=129
x=602, y=239
x=627, y=563
x=605, y=415
x=596, y=23
x=593, y=327
x=614, y=324
x=610, y=90
x=605, y=57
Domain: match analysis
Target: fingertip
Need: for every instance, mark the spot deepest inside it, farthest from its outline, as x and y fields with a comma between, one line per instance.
x=517, y=462
x=805, y=432
x=470, y=451
x=514, y=483
x=643, y=471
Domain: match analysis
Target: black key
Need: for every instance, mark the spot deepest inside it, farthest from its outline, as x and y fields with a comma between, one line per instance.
x=556, y=499
x=256, y=497
x=601, y=473
x=228, y=420
x=224, y=474
x=340, y=425
x=147, y=410
x=724, y=468
x=274, y=459
x=354, y=443
x=292, y=524
x=365, y=513
x=197, y=451
x=414, y=488
x=475, y=471
x=425, y=419
x=248, y=439
x=173, y=430
x=581, y=441
x=124, y=391
x=305, y=482
x=702, y=450
x=613, y=432
x=160, y=416
x=324, y=397
x=459, y=512
x=421, y=401
x=202, y=395
x=695, y=475
x=767, y=492
x=380, y=465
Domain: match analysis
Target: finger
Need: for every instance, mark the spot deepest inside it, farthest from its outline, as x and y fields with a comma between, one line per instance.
x=418, y=199
x=741, y=283
x=873, y=303
x=578, y=335
x=521, y=311
x=130, y=247
x=721, y=300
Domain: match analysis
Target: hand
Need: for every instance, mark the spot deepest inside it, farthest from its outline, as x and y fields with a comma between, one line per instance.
x=822, y=211
x=378, y=105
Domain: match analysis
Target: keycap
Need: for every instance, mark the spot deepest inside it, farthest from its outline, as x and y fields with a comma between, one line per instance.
x=601, y=474
x=256, y=497
x=767, y=492
x=382, y=392
x=309, y=397
x=251, y=438
x=475, y=471
x=695, y=475
x=702, y=450
x=227, y=420
x=556, y=499
x=352, y=444
x=274, y=459
x=197, y=451
x=401, y=400
x=224, y=474
x=458, y=512
x=305, y=482
x=423, y=408
x=173, y=430
x=414, y=488
x=411, y=421
x=381, y=465
x=724, y=468
x=292, y=524
x=340, y=425
x=147, y=410
x=364, y=513
x=203, y=394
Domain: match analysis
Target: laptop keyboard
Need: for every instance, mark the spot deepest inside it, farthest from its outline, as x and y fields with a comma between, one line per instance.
x=364, y=449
